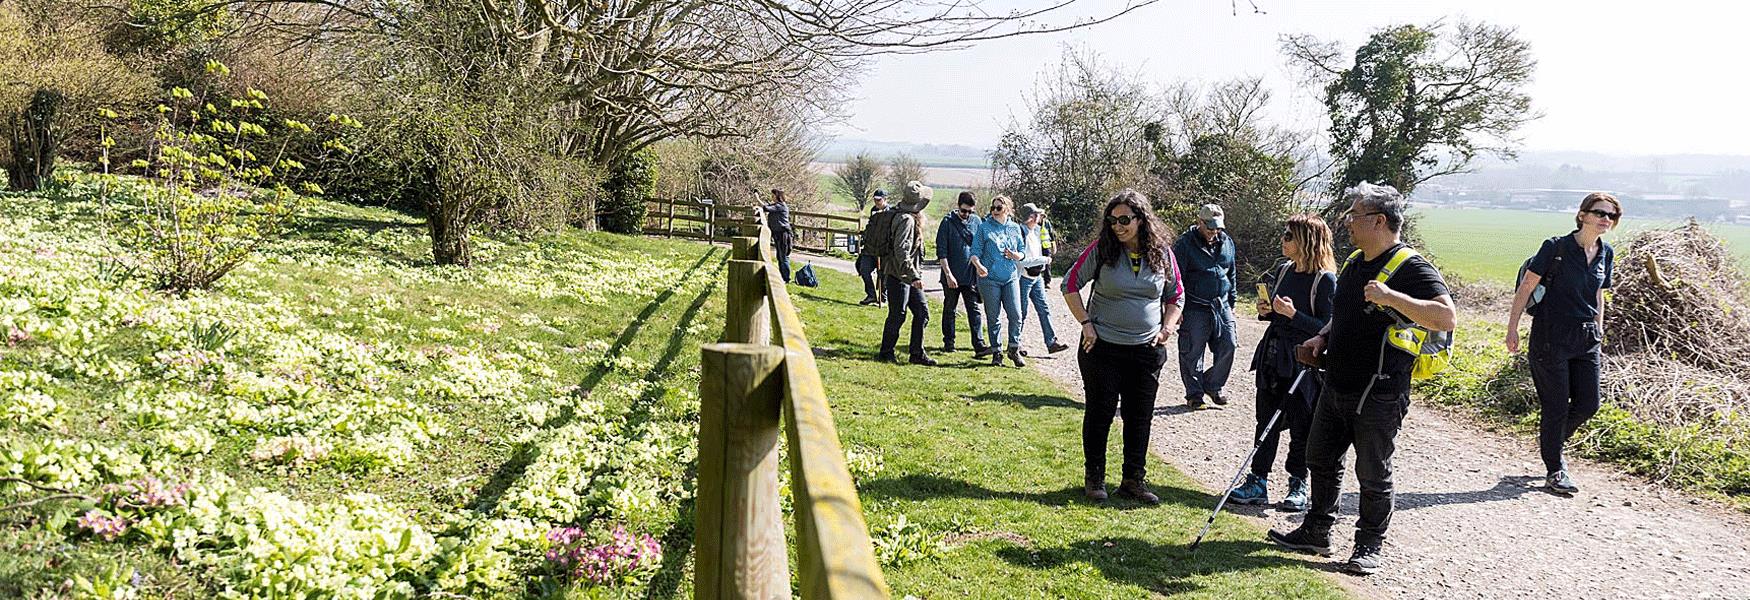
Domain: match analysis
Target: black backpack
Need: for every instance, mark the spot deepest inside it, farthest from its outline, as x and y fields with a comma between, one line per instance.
x=1537, y=292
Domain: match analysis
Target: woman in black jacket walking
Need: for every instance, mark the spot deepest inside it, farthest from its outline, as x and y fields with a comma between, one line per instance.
x=1297, y=306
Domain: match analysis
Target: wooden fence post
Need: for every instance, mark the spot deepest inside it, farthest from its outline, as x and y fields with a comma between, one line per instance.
x=670, y=230
x=740, y=548
x=747, y=319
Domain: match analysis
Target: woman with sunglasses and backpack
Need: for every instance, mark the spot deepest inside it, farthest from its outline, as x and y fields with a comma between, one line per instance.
x=1132, y=310
x=1568, y=329
x=1297, y=305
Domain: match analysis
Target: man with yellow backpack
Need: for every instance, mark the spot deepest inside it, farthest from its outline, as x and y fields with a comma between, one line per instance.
x=1392, y=318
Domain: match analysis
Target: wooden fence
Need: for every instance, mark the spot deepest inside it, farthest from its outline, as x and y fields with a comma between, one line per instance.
x=815, y=231
x=760, y=381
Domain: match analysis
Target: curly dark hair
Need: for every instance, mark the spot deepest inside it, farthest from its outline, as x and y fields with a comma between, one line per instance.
x=1151, y=236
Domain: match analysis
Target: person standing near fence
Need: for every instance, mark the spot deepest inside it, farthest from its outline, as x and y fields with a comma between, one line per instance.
x=1130, y=315
x=1567, y=332
x=1297, y=305
x=954, y=237
x=996, y=255
x=1367, y=381
x=867, y=262
x=1035, y=275
x=902, y=270
x=1206, y=260
x=778, y=220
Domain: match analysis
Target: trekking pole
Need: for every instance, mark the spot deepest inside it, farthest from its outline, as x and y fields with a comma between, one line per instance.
x=1235, y=480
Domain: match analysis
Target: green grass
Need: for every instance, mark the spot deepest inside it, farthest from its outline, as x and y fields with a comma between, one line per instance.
x=1490, y=244
x=990, y=459
x=1711, y=457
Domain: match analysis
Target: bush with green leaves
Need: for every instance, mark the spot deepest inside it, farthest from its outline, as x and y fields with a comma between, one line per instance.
x=212, y=192
x=629, y=183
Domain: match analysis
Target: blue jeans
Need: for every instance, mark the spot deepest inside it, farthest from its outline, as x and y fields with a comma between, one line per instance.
x=1008, y=296
x=1209, y=328
x=1033, y=292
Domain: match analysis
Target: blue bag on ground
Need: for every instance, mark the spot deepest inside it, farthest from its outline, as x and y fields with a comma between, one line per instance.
x=806, y=278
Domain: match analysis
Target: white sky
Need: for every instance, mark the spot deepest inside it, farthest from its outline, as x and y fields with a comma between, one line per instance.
x=1614, y=77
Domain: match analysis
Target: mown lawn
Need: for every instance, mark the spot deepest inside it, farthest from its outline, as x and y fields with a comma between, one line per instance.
x=988, y=462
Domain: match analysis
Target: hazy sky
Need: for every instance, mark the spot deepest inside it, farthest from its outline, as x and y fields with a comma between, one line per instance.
x=1614, y=77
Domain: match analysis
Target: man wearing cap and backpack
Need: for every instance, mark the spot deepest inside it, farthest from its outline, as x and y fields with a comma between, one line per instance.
x=1390, y=315
x=1206, y=262
x=867, y=262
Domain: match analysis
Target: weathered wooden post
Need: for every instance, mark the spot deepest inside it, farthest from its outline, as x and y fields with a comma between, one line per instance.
x=740, y=548
x=747, y=317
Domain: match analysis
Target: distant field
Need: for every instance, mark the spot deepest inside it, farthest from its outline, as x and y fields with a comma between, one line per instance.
x=1491, y=243
x=934, y=174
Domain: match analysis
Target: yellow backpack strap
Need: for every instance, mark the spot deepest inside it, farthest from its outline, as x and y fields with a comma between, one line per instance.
x=1391, y=266
x=1353, y=256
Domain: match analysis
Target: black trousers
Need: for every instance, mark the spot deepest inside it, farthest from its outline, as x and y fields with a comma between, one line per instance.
x=1297, y=417
x=866, y=269
x=1118, y=378
x=901, y=298
x=967, y=295
x=1341, y=421
x=1564, y=366
x=783, y=242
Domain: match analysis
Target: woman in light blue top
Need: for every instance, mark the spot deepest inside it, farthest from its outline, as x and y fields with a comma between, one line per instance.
x=996, y=251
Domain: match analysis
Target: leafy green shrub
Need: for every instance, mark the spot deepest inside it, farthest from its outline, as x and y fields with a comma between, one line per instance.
x=629, y=183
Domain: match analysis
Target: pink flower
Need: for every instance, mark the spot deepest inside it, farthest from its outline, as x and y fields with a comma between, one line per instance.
x=604, y=564
x=108, y=528
x=17, y=336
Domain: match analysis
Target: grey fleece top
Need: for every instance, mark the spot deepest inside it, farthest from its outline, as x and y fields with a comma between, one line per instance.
x=1125, y=306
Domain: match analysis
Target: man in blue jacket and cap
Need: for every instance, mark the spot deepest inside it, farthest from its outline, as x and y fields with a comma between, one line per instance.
x=1205, y=255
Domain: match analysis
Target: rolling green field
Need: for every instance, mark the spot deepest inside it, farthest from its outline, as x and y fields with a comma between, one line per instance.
x=1490, y=244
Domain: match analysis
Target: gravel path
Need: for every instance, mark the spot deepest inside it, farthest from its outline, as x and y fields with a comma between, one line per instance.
x=1472, y=518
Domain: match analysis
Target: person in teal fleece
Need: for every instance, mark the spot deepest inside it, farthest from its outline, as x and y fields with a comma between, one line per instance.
x=997, y=249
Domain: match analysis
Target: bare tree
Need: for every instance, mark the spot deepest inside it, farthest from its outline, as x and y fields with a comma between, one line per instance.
x=857, y=177
x=903, y=169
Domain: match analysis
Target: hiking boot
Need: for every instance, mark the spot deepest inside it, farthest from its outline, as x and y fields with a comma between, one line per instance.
x=1094, y=488
x=996, y=359
x=1365, y=560
x=1303, y=540
x=1057, y=347
x=1561, y=483
x=1015, y=357
x=1137, y=490
x=868, y=301
x=886, y=357
x=1296, y=500
x=1194, y=401
x=921, y=359
x=1256, y=490
x=1219, y=399
x=949, y=349
x=981, y=352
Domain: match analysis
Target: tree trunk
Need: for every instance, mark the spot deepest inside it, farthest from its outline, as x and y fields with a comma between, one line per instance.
x=34, y=142
x=449, y=236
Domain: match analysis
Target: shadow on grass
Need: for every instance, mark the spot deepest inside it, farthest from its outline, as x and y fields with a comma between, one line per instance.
x=931, y=487
x=809, y=295
x=1032, y=401
x=1167, y=569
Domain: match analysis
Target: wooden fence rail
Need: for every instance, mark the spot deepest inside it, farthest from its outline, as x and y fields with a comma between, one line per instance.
x=814, y=231
x=759, y=382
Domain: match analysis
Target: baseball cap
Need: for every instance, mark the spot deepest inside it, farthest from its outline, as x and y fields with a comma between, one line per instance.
x=1210, y=215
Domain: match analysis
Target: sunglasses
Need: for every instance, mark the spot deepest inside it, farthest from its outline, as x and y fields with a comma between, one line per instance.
x=965, y=210
x=1121, y=220
x=1604, y=214
x=1351, y=216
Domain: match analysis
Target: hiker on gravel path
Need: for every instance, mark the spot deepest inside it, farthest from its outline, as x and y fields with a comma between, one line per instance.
x=954, y=237
x=1297, y=303
x=1206, y=260
x=1568, y=331
x=1129, y=317
x=783, y=238
x=1036, y=274
x=996, y=255
x=1367, y=385
x=902, y=269
x=867, y=262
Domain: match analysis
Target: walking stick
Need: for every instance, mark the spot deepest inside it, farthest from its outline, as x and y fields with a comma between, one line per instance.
x=1235, y=480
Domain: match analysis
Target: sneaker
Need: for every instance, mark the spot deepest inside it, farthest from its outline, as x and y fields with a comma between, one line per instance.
x=996, y=359
x=1057, y=347
x=1561, y=483
x=1302, y=540
x=1219, y=399
x=1296, y=500
x=1194, y=401
x=922, y=359
x=1094, y=488
x=1137, y=490
x=1015, y=357
x=1365, y=560
x=1256, y=490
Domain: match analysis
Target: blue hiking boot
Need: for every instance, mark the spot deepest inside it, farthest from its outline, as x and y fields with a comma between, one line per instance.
x=1256, y=490
x=1296, y=500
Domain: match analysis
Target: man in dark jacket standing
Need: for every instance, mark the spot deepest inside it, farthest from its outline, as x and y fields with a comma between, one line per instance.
x=954, y=238
x=867, y=261
x=902, y=272
x=1205, y=255
x=778, y=220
